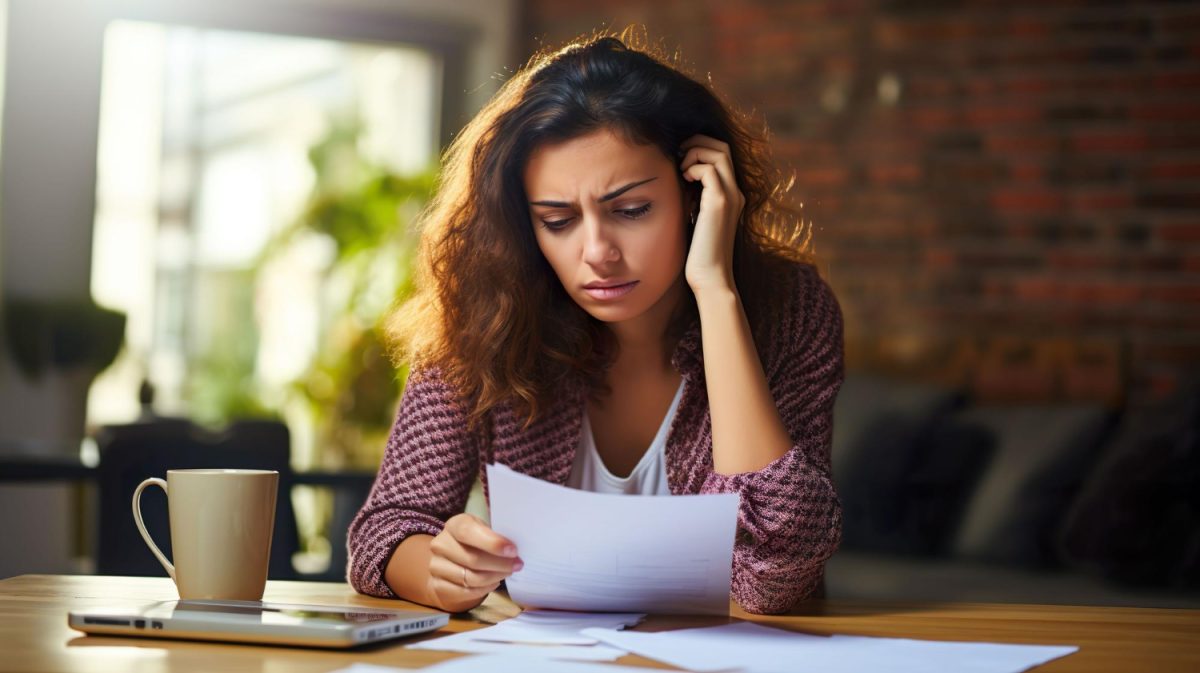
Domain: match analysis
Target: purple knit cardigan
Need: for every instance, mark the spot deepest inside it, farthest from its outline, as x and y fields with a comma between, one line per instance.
x=789, y=521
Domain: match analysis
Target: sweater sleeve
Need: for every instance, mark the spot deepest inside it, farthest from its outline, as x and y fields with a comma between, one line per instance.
x=790, y=520
x=428, y=469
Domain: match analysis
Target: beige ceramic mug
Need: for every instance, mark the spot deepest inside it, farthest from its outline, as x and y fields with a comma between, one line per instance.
x=221, y=525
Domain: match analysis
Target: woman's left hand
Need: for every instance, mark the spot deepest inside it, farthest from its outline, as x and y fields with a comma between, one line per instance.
x=710, y=259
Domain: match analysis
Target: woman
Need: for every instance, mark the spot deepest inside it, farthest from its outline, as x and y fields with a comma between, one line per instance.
x=612, y=297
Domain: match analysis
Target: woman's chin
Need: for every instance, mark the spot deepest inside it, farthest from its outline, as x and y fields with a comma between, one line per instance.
x=610, y=314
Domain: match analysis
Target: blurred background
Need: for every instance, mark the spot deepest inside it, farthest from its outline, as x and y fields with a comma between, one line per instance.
x=206, y=210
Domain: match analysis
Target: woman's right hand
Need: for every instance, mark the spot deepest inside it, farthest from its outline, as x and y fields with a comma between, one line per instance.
x=467, y=561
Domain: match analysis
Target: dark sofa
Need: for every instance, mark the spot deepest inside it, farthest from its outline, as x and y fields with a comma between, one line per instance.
x=944, y=499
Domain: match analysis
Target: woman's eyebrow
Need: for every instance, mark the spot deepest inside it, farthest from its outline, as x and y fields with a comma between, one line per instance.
x=607, y=197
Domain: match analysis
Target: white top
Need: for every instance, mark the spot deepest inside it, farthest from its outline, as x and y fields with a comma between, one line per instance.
x=649, y=476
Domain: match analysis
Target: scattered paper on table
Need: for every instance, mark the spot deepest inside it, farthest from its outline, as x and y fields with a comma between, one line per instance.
x=752, y=647
x=626, y=553
x=543, y=634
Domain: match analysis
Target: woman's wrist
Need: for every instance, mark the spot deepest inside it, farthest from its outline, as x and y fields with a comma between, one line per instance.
x=408, y=576
x=407, y=572
x=714, y=298
x=714, y=283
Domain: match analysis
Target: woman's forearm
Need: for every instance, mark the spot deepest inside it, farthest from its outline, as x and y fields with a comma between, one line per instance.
x=747, y=432
x=407, y=572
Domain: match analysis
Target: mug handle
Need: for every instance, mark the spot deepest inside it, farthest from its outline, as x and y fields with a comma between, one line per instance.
x=137, y=518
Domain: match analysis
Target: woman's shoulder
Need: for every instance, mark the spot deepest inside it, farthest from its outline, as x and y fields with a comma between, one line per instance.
x=428, y=388
x=431, y=391
x=806, y=299
x=806, y=310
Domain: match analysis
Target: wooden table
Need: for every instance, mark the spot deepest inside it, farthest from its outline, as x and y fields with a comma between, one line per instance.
x=34, y=636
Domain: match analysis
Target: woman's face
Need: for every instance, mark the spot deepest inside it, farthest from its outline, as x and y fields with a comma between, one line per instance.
x=608, y=216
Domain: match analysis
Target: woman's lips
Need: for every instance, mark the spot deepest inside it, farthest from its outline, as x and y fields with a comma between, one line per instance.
x=610, y=293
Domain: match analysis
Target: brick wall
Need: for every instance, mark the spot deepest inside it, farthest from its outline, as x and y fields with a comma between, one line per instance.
x=1005, y=195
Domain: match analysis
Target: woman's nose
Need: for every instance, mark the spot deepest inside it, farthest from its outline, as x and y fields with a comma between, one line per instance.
x=598, y=246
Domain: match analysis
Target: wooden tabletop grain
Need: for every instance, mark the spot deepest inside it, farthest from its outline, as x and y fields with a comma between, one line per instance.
x=35, y=638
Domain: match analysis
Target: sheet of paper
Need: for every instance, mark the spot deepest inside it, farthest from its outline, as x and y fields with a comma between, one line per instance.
x=752, y=647
x=496, y=663
x=554, y=627
x=459, y=643
x=617, y=553
x=540, y=634
x=505, y=664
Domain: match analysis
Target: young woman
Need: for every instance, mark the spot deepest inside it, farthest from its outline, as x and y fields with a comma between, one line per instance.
x=612, y=297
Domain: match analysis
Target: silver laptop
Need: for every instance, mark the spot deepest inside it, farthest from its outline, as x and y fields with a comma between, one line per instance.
x=258, y=622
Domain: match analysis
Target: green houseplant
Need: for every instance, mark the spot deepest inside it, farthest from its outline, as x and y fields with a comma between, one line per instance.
x=351, y=387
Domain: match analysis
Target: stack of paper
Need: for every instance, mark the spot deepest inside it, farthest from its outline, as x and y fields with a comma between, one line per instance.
x=540, y=634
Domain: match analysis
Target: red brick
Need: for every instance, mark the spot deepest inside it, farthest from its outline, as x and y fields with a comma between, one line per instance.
x=1168, y=352
x=1104, y=293
x=929, y=118
x=1021, y=143
x=1026, y=26
x=1078, y=261
x=1029, y=85
x=774, y=42
x=1027, y=171
x=1176, y=81
x=1176, y=294
x=740, y=17
x=1173, y=141
x=926, y=86
x=982, y=116
x=1101, y=201
x=1166, y=322
x=810, y=150
x=1102, y=141
x=1174, y=169
x=1035, y=289
x=939, y=258
x=829, y=176
x=1028, y=200
x=1021, y=231
x=730, y=47
x=894, y=174
x=1172, y=111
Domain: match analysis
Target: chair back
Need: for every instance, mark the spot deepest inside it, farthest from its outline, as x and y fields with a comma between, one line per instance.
x=131, y=453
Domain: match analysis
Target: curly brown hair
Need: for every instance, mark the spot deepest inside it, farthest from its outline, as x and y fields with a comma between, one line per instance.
x=488, y=311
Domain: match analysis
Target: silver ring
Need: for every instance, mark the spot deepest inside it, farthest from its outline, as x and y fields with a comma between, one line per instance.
x=465, y=585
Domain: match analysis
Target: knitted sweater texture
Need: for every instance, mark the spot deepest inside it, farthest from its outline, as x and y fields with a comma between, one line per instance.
x=789, y=521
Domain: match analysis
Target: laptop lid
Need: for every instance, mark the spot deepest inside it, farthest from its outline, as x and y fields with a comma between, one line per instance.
x=258, y=622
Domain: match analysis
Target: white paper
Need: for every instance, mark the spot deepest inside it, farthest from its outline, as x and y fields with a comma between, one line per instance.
x=540, y=634
x=509, y=664
x=368, y=668
x=458, y=643
x=752, y=647
x=620, y=553
x=496, y=663
x=554, y=627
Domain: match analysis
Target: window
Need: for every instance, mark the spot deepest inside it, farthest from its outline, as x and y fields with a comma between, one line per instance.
x=203, y=157
x=211, y=145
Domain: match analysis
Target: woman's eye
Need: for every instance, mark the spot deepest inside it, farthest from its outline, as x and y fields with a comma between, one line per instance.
x=634, y=213
x=630, y=213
